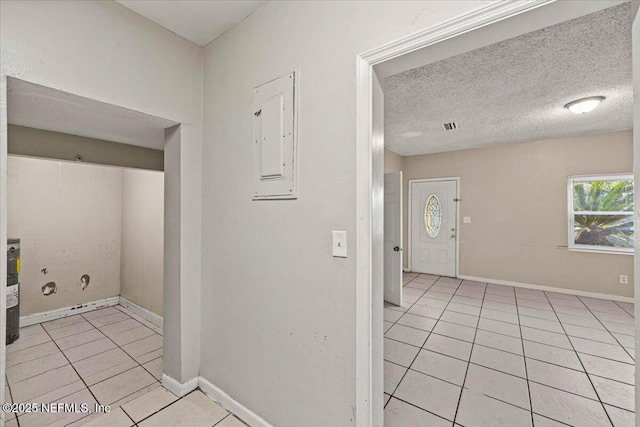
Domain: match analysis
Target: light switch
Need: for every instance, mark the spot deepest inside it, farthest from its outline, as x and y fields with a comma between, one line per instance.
x=340, y=244
x=466, y=220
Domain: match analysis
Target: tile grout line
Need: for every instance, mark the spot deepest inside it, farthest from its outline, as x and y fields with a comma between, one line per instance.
x=607, y=329
x=128, y=354
x=510, y=336
x=425, y=341
x=546, y=385
x=137, y=391
x=127, y=414
x=524, y=358
x=226, y=416
x=484, y=294
x=74, y=369
x=113, y=342
x=121, y=309
x=80, y=377
x=422, y=409
x=12, y=401
x=546, y=330
x=618, y=304
x=497, y=349
x=172, y=403
x=43, y=372
x=392, y=395
x=88, y=357
x=396, y=322
x=520, y=326
x=512, y=375
x=580, y=360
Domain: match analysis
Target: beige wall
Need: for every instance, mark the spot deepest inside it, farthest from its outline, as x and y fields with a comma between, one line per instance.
x=67, y=216
x=61, y=146
x=141, y=274
x=75, y=219
x=516, y=196
x=392, y=162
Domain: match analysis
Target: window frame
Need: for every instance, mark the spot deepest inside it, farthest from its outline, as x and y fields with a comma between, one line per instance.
x=571, y=213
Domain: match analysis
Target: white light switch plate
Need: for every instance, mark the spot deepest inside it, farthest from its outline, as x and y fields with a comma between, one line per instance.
x=466, y=220
x=340, y=244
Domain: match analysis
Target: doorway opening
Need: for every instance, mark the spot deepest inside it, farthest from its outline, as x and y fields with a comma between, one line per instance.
x=445, y=326
x=434, y=224
x=90, y=188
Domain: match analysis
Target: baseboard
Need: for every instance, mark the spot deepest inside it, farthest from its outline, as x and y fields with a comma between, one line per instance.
x=406, y=269
x=178, y=388
x=233, y=406
x=59, y=313
x=549, y=289
x=142, y=312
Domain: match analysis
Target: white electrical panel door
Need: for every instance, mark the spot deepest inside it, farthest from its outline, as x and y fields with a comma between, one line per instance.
x=274, y=139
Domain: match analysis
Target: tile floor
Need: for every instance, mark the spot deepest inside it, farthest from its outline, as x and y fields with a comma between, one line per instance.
x=110, y=356
x=475, y=354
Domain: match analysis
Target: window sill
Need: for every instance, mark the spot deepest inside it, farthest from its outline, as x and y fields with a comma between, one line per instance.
x=601, y=251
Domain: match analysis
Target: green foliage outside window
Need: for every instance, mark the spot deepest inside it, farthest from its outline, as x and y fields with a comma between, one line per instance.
x=603, y=213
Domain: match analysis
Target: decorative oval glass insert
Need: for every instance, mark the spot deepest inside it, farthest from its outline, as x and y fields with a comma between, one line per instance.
x=432, y=215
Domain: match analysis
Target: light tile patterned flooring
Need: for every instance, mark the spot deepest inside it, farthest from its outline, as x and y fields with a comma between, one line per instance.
x=110, y=356
x=476, y=354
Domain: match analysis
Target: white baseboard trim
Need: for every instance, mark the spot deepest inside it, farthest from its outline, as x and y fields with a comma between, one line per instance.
x=406, y=269
x=215, y=393
x=233, y=406
x=59, y=313
x=142, y=312
x=177, y=388
x=548, y=288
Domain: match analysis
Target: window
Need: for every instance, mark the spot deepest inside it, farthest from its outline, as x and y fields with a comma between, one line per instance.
x=601, y=213
x=432, y=216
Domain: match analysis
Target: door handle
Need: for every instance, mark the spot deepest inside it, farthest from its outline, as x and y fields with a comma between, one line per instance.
x=397, y=248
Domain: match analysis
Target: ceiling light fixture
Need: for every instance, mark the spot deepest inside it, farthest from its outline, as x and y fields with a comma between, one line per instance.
x=584, y=105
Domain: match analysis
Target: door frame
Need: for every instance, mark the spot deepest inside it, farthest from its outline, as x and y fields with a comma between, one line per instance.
x=369, y=151
x=410, y=217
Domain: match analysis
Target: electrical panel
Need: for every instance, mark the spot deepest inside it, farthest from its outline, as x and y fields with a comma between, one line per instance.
x=275, y=139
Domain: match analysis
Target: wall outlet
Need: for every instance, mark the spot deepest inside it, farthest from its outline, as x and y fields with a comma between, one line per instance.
x=466, y=220
x=624, y=280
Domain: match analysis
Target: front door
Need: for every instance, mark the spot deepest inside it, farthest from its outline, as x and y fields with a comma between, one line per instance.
x=433, y=227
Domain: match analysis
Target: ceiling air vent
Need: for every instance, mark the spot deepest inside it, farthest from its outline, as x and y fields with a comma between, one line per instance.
x=450, y=126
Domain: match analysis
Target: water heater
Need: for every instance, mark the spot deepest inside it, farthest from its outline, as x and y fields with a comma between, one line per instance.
x=13, y=290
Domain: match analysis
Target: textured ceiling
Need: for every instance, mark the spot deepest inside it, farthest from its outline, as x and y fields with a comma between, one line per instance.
x=199, y=21
x=515, y=90
x=44, y=108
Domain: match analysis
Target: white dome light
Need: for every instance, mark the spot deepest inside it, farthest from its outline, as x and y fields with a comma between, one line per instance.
x=584, y=105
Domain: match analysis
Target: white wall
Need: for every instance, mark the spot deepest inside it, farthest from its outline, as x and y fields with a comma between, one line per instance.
x=636, y=168
x=104, y=51
x=278, y=311
x=67, y=216
x=142, y=268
